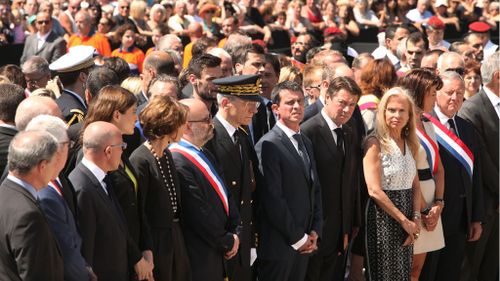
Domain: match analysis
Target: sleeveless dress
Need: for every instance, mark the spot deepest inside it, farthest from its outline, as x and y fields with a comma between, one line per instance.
x=387, y=258
x=428, y=241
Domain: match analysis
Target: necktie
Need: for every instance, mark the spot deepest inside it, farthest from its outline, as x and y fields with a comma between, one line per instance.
x=107, y=181
x=237, y=141
x=453, y=129
x=340, y=140
x=270, y=116
x=303, y=153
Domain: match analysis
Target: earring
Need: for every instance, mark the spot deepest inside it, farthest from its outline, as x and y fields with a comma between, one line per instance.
x=406, y=131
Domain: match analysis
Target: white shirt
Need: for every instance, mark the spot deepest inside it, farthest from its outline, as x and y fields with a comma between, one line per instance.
x=489, y=49
x=440, y=45
x=229, y=128
x=444, y=119
x=330, y=124
x=96, y=171
x=494, y=99
x=415, y=16
x=394, y=60
x=380, y=52
x=290, y=133
x=41, y=39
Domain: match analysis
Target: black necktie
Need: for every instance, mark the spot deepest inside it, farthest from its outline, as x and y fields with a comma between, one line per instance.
x=340, y=139
x=453, y=129
x=270, y=116
x=237, y=141
x=107, y=181
x=303, y=153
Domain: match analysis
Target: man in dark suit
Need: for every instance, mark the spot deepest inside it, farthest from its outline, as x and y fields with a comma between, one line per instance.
x=100, y=219
x=483, y=111
x=211, y=222
x=54, y=206
x=337, y=164
x=11, y=96
x=290, y=215
x=73, y=69
x=28, y=249
x=45, y=43
x=463, y=200
x=233, y=151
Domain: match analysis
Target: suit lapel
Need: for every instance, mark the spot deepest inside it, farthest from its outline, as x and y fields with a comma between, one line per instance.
x=488, y=108
x=289, y=145
x=224, y=140
x=327, y=136
x=97, y=185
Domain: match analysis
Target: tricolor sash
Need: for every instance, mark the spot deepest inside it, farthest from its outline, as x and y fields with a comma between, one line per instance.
x=203, y=164
x=55, y=186
x=431, y=149
x=368, y=102
x=453, y=144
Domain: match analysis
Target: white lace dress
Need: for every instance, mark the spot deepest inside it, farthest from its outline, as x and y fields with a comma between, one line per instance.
x=387, y=258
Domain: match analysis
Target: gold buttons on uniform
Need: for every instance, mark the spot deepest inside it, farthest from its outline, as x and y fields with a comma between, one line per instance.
x=233, y=183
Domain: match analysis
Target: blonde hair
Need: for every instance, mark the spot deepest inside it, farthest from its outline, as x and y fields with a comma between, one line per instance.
x=138, y=9
x=133, y=84
x=290, y=73
x=381, y=131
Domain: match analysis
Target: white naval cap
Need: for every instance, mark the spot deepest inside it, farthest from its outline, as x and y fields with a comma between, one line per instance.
x=77, y=58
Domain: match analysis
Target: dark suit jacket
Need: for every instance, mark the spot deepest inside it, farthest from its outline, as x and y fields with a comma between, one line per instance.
x=71, y=107
x=28, y=249
x=480, y=112
x=290, y=202
x=312, y=110
x=208, y=230
x=457, y=183
x=6, y=135
x=239, y=178
x=338, y=179
x=104, y=236
x=63, y=226
x=53, y=48
x=259, y=123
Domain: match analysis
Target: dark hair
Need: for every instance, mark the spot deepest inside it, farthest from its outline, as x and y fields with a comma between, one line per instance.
x=119, y=66
x=390, y=31
x=343, y=83
x=274, y=61
x=416, y=37
x=472, y=65
x=455, y=46
x=100, y=77
x=14, y=73
x=162, y=116
x=241, y=55
x=122, y=29
x=201, y=46
x=418, y=82
x=165, y=79
x=11, y=95
x=160, y=65
x=285, y=85
x=199, y=63
x=377, y=77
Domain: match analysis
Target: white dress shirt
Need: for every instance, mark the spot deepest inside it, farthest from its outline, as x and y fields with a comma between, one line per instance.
x=97, y=172
x=494, y=99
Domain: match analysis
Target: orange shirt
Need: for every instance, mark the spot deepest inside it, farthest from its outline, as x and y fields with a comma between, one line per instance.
x=96, y=40
x=222, y=42
x=132, y=57
x=187, y=55
x=150, y=50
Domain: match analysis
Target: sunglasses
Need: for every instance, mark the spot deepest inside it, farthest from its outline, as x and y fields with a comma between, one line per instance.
x=40, y=22
x=458, y=70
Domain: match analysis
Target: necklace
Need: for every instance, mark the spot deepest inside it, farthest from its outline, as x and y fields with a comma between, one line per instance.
x=170, y=186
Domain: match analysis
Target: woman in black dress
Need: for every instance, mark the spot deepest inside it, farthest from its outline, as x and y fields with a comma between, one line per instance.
x=163, y=121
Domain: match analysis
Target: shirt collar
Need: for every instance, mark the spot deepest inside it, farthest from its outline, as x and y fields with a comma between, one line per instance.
x=442, y=118
x=394, y=60
x=494, y=99
x=329, y=121
x=94, y=169
x=28, y=187
x=322, y=99
x=42, y=37
x=8, y=126
x=288, y=132
x=229, y=128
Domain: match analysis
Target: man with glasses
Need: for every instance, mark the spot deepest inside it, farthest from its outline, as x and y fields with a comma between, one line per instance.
x=238, y=99
x=211, y=221
x=45, y=42
x=122, y=17
x=36, y=72
x=100, y=219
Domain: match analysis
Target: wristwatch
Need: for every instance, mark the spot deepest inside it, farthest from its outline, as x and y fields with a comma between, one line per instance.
x=439, y=201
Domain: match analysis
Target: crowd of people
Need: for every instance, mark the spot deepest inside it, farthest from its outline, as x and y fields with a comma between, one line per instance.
x=198, y=140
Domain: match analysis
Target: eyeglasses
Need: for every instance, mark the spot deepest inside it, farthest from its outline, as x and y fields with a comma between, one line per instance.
x=40, y=22
x=123, y=145
x=458, y=70
x=206, y=120
x=308, y=89
x=124, y=7
x=34, y=81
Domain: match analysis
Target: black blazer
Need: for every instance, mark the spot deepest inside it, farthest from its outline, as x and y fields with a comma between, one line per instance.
x=239, y=178
x=457, y=182
x=28, y=249
x=339, y=184
x=71, y=107
x=104, y=236
x=6, y=135
x=208, y=230
x=312, y=109
x=290, y=203
x=259, y=122
x=480, y=112
x=53, y=48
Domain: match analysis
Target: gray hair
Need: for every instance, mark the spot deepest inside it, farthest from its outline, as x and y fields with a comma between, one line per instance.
x=166, y=40
x=51, y=124
x=451, y=75
x=36, y=64
x=489, y=66
x=28, y=149
x=447, y=56
x=220, y=53
x=401, y=48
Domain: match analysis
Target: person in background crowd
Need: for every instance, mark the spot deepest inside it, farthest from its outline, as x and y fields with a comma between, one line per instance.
x=421, y=14
x=157, y=62
x=36, y=72
x=393, y=35
x=416, y=46
x=211, y=221
x=430, y=59
x=123, y=16
x=33, y=254
x=483, y=30
x=359, y=63
x=435, y=34
x=393, y=210
x=67, y=17
x=179, y=23
x=45, y=43
x=87, y=35
x=475, y=40
x=202, y=71
x=451, y=61
x=163, y=121
x=483, y=111
x=226, y=62
x=11, y=96
x=472, y=78
x=134, y=56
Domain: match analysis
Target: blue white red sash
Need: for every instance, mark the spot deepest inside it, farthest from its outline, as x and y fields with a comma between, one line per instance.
x=431, y=149
x=453, y=144
x=203, y=164
x=54, y=184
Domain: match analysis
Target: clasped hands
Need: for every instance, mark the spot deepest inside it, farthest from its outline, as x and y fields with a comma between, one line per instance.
x=144, y=267
x=413, y=230
x=311, y=244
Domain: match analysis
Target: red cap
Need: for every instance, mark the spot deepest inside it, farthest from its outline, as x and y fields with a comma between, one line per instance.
x=435, y=23
x=259, y=42
x=479, y=26
x=332, y=31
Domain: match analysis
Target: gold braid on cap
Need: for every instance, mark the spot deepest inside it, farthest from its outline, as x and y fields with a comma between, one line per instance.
x=240, y=90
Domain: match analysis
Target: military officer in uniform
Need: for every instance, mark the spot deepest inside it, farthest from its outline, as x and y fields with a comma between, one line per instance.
x=238, y=100
x=72, y=70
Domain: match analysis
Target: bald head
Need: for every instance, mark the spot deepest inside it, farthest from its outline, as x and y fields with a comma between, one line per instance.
x=195, y=29
x=198, y=133
x=160, y=63
x=342, y=70
x=170, y=42
x=450, y=61
x=34, y=106
x=328, y=57
x=99, y=135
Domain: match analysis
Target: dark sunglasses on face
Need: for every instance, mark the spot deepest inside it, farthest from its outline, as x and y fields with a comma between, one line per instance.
x=40, y=22
x=458, y=70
